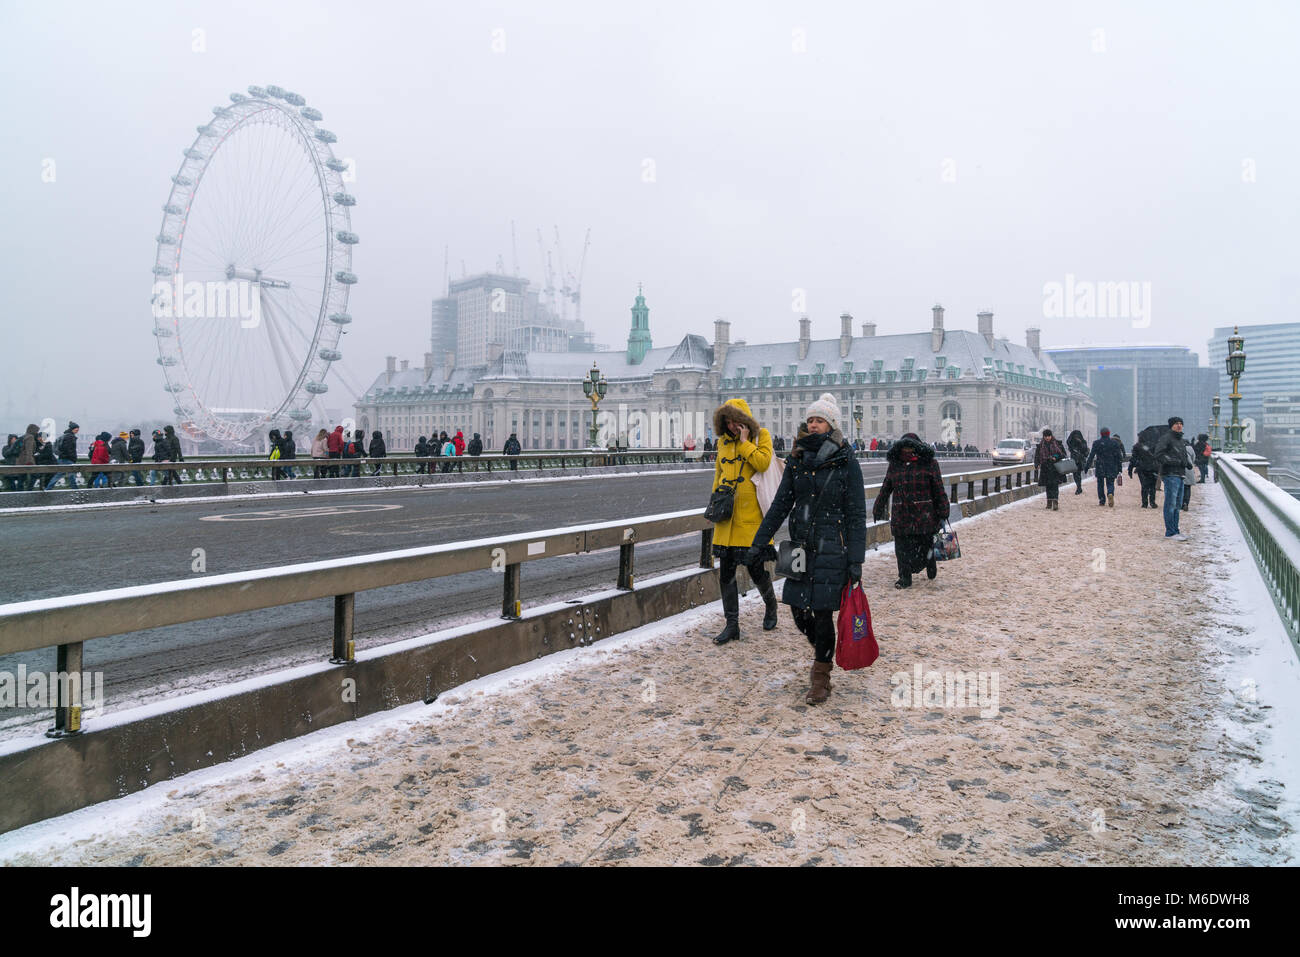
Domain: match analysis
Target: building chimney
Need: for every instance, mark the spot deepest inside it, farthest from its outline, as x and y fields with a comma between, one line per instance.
x=1032, y=339
x=986, y=326
x=936, y=333
x=868, y=329
x=805, y=336
x=846, y=333
x=406, y=363
x=448, y=365
x=428, y=361
x=721, y=342
x=390, y=366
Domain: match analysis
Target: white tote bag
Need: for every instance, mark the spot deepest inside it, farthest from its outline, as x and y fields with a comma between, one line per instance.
x=767, y=482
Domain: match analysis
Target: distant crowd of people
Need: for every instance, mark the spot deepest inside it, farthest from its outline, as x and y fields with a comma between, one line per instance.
x=349, y=450
x=34, y=447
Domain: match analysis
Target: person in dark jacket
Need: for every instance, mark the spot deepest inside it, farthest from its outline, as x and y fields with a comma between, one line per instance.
x=135, y=454
x=512, y=447
x=1203, y=453
x=162, y=452
x=274, y=441
x=920, y=506
x=459, y=442
x=1143, y=461
x=334, y=450
x=31, y=444
x=475, y=446
x=1049, y=452
x=354, y=448
x=1172, y=460
x=1109, y=457
x=377, y=450
x=288, y=450
x=1077, y=446
x=13, y=446
x=66, y=451
x=174, y=450
x=822, y=492
x=422, y=451
x=118, y=455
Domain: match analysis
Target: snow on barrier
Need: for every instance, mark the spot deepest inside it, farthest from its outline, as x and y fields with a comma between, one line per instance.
x=1270, y=522
x=135, y=750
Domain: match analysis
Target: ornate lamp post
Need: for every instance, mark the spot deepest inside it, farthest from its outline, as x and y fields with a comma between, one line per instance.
x=959, y=445
x=1214, y=426
x=594, y=388
x=857, y=421
x=1236, y=363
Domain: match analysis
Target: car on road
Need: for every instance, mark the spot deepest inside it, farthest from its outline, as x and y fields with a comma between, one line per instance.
x=1011, y=450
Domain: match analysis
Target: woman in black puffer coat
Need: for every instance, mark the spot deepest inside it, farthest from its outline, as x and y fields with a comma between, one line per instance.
x=920, y=506
x=377, y=450
x=823, y=493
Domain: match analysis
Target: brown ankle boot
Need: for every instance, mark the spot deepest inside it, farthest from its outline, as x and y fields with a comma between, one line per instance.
x=821, y=682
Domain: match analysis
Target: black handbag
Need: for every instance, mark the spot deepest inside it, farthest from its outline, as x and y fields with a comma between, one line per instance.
x=794, y=559
x=721, y=502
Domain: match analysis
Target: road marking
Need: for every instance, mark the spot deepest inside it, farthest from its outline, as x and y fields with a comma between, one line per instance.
x=317, y=511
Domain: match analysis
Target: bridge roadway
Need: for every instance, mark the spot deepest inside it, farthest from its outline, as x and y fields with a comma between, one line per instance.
x=62, y=552
x=1120, y=732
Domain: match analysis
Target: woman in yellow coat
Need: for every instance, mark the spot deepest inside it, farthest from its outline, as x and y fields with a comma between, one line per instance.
x=744, y=447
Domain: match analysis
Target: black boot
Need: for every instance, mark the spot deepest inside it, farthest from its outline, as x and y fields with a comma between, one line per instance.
x=931, y=568
x=731, y=608
x=769, y=600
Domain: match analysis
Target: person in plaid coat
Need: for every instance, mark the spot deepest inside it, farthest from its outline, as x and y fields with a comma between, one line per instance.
x=920, y=506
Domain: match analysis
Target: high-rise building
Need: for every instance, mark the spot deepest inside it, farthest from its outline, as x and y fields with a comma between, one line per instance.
x=1272, y=365
x=1140, y=385
x=1279, y=430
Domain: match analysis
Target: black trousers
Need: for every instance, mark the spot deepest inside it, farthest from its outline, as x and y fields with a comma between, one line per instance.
x=912, y=553
x=1078, y=476
x=818, y=627
x=729, y=559
x=1149, y=480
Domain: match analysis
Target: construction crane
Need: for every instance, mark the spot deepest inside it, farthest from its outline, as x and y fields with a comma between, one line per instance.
x=514, y=247
x=576, y=283
x=549, y=288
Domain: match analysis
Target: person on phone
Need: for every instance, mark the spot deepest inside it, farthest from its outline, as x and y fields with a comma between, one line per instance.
x=744, y=448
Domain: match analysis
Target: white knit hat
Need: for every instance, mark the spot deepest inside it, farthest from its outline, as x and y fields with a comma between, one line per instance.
x=826, y=408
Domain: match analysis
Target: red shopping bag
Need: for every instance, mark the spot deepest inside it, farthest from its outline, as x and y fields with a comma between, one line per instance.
x=856, y=644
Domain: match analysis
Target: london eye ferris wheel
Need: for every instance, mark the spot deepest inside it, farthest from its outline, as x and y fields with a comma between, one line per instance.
x=253, y=267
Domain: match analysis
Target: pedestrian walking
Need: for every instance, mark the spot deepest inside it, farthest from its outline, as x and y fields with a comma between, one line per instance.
x=377, y=450
x=135, y=454
x=174, y=450
x=1049, y=452
x=1173, y=469
x=31, y=443
x=117, y=453
x=823, y=494
x=320, y=452
x=1203, y=454
x=919, y=506
x=13, y=446
x=1143, y=461
x=1077, y=446
x=65, y=451
x=1109, y=460
x=512, y=448
x=289, y=451
x=744, y=449
x=100, y=455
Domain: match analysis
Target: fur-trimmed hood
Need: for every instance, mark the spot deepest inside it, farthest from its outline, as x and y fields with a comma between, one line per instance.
x=738, y=411
x=924, y=453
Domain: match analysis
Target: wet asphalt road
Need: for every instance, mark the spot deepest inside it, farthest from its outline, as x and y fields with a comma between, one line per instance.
x=65, y=552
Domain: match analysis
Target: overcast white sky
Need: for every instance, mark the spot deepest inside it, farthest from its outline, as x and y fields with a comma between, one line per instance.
x=963, y=153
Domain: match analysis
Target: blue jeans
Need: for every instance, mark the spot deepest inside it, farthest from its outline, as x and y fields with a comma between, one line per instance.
x=72, y=476
x=1205, y=468
x=1173, y=503
x=1105, y=485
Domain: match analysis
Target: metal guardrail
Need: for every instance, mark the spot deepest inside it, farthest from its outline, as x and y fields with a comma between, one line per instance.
x=67, y=622
x=262, y=469
x=1270, y=521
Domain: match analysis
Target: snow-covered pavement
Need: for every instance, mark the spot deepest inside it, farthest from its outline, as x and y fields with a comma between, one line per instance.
x=1138, y=705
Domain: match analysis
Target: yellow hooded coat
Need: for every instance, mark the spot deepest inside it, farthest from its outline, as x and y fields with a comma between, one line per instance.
x=740, y=460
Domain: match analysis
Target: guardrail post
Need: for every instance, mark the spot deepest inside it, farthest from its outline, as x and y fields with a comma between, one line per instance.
x=67, y=692
x=706, y=547
x=344, y=618
x=984, y=487
x=970, y=488
x=511, y=606
x=625, y=560
x=955, y=496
